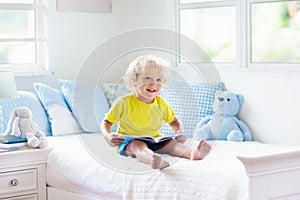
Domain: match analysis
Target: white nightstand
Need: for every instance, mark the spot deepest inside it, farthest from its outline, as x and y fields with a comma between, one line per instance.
x=23, y=174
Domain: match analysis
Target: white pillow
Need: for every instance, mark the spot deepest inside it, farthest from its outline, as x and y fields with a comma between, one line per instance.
x=61, y=119
x=87, y=103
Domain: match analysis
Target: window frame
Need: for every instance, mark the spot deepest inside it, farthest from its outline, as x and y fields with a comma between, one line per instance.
x=40, y=39
x=243, y=36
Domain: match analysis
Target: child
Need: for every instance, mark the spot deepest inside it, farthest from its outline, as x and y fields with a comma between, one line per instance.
x=142, y=112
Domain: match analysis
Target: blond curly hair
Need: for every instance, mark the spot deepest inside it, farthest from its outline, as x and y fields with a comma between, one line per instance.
x=141, y=64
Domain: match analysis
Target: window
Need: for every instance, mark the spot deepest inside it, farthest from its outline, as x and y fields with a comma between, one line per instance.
x=22, y=39
x=244, y=33
x=275, y=32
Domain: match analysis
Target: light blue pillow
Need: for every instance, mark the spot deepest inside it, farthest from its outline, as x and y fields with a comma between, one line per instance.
x=190, y=102
x=60, y=117
x=87, y=102
x=113, y=91
x=31, y=101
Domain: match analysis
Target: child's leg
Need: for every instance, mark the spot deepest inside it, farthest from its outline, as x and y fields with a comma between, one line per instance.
x=140, y=150
x=175, y=148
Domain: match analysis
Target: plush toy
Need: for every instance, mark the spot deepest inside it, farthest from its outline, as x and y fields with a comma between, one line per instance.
x=21, y=124
x=224, y=124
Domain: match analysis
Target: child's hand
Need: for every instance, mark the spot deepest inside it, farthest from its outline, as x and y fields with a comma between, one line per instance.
x=113, y=140
x=181, y=138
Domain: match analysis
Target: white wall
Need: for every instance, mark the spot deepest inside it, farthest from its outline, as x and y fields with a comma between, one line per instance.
x=74, y=35
x=271, y=99
x=272, y=103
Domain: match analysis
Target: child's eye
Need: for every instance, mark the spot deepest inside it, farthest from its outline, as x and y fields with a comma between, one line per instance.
x=148, y=78
x=158, y=80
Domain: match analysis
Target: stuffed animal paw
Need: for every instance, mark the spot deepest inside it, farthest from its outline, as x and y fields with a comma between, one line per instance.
x=32, y=141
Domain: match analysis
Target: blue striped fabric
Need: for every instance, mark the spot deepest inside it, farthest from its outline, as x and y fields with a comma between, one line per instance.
x=190, y=102
x=29, y=100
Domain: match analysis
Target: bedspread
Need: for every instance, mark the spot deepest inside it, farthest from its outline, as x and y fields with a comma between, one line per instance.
x=219, y=176
x=85, y=164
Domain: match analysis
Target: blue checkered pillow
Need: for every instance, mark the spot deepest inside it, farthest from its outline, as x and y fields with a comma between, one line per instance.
x=190, y=102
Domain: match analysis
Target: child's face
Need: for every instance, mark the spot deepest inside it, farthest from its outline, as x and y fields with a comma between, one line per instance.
x=148, y=85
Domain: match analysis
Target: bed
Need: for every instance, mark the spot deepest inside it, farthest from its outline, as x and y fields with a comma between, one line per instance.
x=250, y=170
x=81, y=165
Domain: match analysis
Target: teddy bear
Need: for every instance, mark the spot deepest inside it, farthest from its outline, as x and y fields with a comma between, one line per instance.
x=21, y=125
x=223, y=124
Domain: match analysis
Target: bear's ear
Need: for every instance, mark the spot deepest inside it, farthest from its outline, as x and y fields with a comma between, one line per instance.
x=240, y=98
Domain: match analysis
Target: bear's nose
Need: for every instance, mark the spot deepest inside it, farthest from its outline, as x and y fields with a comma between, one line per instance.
x=221, y=98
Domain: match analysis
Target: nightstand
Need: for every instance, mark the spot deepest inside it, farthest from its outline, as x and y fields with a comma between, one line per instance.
x=23, y=174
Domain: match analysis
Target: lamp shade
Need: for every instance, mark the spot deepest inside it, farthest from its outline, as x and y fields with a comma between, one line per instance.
x=8, y=87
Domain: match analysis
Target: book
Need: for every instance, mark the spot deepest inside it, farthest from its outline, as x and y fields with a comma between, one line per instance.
x=11, y=143
x=15, y=148
x=149, y=138
x=10, y=139
x=12, y=146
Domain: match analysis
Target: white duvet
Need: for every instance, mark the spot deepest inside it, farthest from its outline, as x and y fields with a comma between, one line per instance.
x=85, y=164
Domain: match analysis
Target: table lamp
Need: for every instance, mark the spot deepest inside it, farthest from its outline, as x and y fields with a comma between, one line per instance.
x=8, y=89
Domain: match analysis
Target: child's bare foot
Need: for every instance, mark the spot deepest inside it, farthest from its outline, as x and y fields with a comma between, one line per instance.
x=200, y=151
x=158, y=162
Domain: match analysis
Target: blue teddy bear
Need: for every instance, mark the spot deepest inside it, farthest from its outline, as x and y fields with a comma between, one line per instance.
x=224, y=124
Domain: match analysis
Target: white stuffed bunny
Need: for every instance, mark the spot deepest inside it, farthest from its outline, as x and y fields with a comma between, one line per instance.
x=21, y=124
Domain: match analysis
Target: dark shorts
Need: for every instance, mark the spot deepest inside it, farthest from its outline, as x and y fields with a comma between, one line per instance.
x=153, y=146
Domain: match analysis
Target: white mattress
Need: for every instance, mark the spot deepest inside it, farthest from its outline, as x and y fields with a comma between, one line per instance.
x=99, y=171
x=86, y=164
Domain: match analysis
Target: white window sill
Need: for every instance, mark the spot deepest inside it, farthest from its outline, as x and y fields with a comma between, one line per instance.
x=34, y=73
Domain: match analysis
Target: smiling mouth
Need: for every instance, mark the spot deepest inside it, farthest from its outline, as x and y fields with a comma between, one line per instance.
x=152, y=91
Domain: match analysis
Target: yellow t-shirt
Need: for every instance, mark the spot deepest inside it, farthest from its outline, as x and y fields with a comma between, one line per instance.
x=135, y=117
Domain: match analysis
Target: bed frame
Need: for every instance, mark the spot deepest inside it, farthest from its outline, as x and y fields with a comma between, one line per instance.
x=273, y=176
x=55, y=194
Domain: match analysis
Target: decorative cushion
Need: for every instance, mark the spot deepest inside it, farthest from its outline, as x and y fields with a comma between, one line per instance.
x=87, y=102
x=60, y=117
x=113, y=91
x=31, y=101
x=190, y=102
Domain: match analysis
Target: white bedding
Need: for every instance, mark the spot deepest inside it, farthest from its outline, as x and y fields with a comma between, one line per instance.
x=100, y=172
